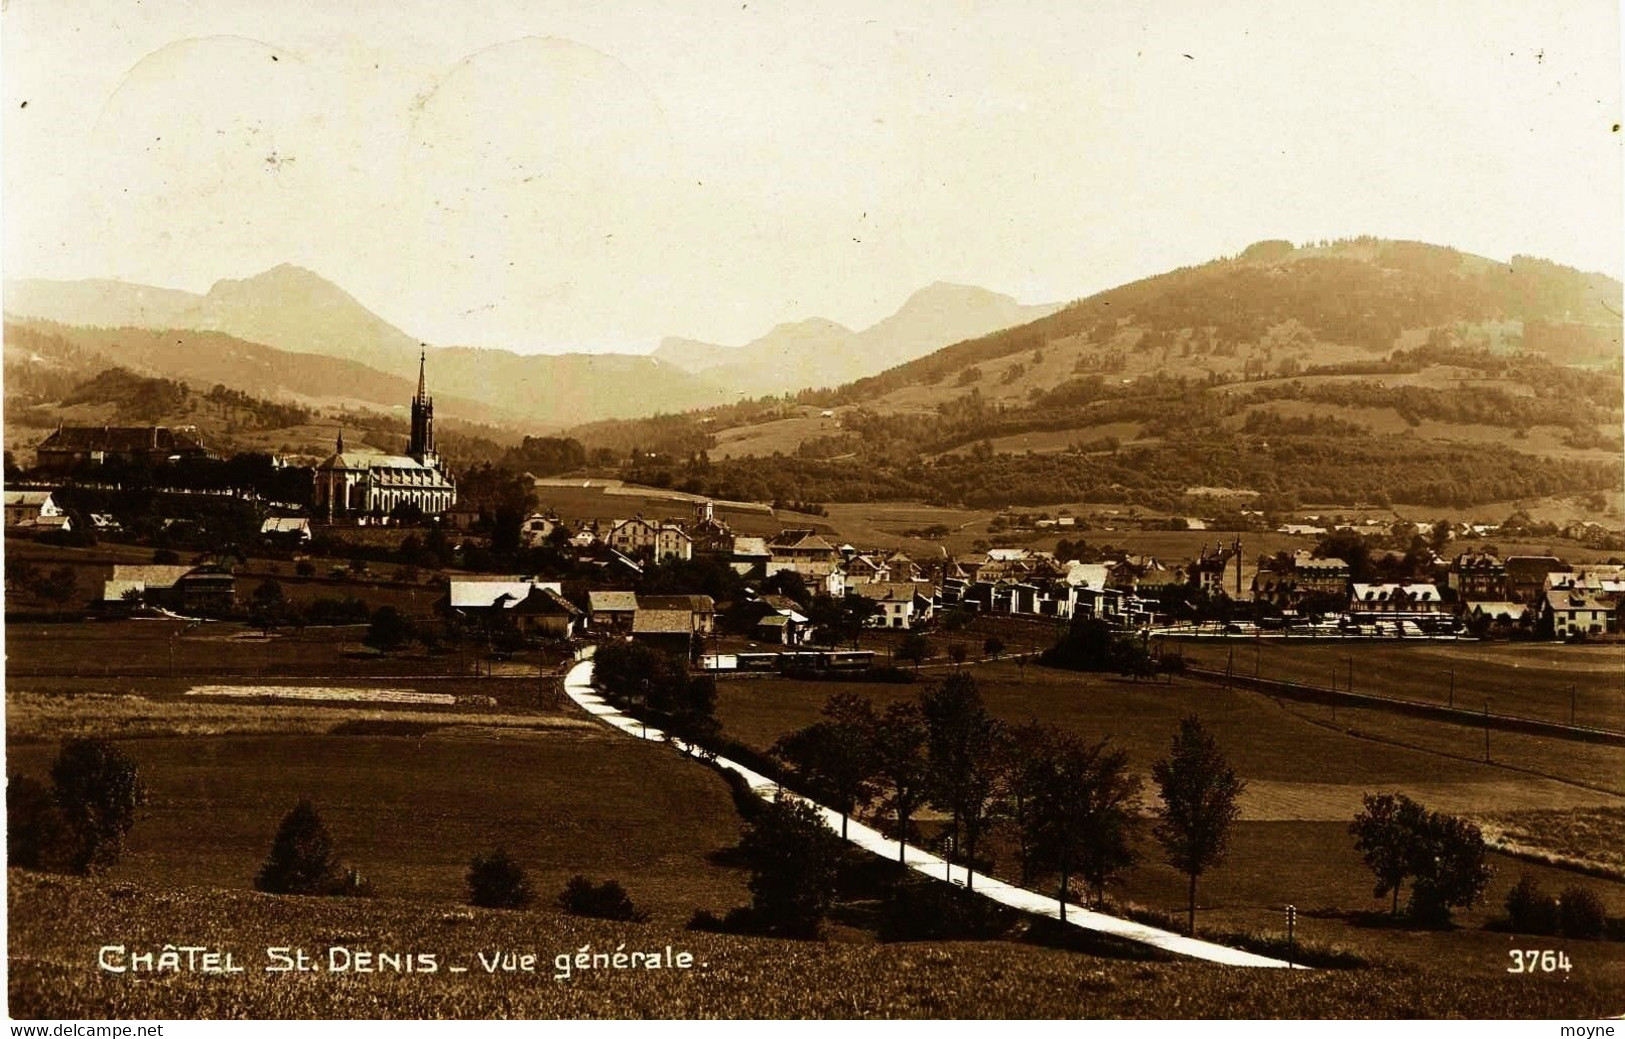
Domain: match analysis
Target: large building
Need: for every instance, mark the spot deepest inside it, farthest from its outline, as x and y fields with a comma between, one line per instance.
x=72, y=447
x=354, y=484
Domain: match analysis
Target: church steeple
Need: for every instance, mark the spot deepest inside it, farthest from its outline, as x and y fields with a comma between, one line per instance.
x=340, y=448
x=421, y=445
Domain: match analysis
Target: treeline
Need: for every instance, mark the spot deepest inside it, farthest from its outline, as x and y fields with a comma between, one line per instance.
x=1322, y=469
x=1484, y=405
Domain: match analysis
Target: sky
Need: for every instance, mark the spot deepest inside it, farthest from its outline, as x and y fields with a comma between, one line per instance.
x=543, y=176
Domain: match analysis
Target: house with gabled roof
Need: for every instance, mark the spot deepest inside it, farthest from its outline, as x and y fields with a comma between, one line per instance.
x=701, y=609
x=902, y=604
x=609, y=610
x=1573, y=612
x=25, y=509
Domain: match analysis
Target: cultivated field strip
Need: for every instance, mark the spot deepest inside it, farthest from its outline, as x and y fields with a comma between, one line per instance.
x=578, y=685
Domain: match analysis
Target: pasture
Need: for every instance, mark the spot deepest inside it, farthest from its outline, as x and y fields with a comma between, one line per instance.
x=410, y=801
x=575, y=500
x=1539, y=680
x=1305, y=777
x=162, y=654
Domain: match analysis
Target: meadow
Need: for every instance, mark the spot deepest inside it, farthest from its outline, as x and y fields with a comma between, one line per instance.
x=410, y=800
x=1305, y=777
x=1528, y=679
x=59, y=923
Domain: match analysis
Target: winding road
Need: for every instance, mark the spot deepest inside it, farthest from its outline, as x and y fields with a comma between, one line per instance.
x=578, y=686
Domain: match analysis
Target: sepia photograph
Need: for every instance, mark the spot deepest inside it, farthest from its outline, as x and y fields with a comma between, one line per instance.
x=859, y=509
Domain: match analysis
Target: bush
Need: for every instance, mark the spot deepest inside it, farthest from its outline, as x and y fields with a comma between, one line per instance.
x=98, y=790
x=302, y=861
x=496, y=881
x=793, y=858
x=1530, y=910
x=37, y=833
x=919, y=909
x=1580, y=913
x=705, y=920
x=606, y=901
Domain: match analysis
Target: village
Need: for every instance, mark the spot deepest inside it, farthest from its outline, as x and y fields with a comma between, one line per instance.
x=789, y=585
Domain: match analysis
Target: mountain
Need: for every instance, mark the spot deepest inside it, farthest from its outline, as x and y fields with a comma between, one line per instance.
x=287, y=307
x=818, y=352
x=1339, y=373
x=43, y=356
x=293, y=311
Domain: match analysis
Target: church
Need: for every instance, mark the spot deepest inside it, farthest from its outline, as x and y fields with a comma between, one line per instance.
x=356, y=484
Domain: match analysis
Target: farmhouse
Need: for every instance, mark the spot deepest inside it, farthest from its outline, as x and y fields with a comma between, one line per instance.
x=669, y=630
x=804, y=552
x=611, y=610
x=532, y=607
x=702, y=610
x=1578, y=613
x=903, y=604
x=187, y=589
x=26, y=509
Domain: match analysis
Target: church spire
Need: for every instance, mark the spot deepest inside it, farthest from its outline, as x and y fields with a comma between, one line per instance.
x=423, y=354
x=341, y=440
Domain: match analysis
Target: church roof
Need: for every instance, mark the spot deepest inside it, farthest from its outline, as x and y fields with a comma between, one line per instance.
x=370, y=460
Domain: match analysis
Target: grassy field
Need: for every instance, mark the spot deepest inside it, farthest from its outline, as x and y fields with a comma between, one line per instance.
x=1531, y=680
x=589, y=500
x=58, y=925
x=411, y=810
x=1298, y=765
x=1305, y=777
x=1588, y=837
x=164, y=648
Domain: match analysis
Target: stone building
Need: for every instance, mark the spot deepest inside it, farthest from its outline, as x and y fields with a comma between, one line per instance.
x=356, y=484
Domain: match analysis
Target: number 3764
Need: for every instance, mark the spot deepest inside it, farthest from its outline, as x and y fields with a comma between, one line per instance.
x=1538, y=961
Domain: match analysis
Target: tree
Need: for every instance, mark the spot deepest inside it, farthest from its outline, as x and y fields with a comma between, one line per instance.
x=1385, y=836
x=993, y=646
x=900, y=763
x=1446, y=856
x=792, y=857
x=1530, y=910
x=834, y=759
x=1450, y=866
x=301, y=861
x=915, y=647
x=496, y=881
x=98, y=790
x=957, y=652
x=1200, y=801
x=964, y=754
x=388, y=630
x=1078, y=812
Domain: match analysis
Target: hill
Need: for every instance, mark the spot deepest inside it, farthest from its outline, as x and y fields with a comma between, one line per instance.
x=291, y=310
x=242, y=396
x=821, y=353
x=1361, y=371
